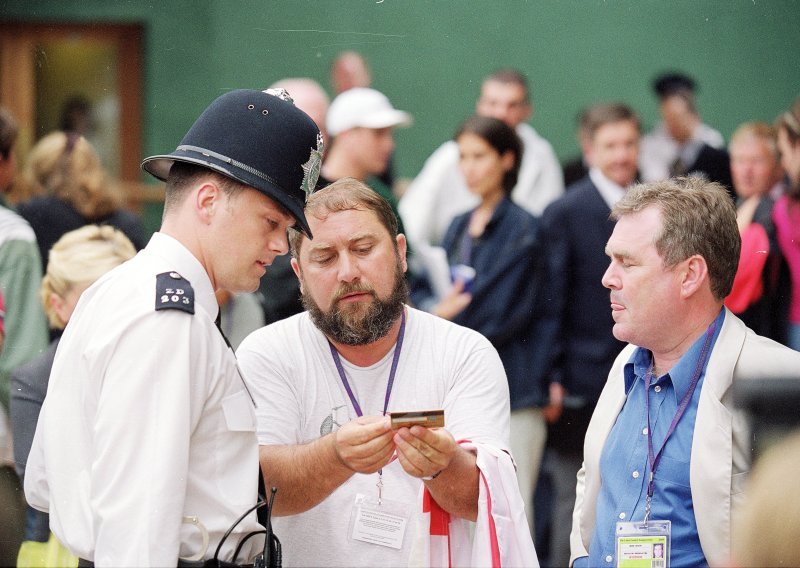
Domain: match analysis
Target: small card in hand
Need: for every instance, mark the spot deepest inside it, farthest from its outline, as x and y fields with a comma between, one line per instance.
x=426, y=418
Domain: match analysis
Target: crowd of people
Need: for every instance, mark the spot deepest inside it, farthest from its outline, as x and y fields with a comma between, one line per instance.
x=288, y=340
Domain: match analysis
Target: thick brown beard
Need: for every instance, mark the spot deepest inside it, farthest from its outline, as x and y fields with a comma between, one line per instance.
x=359, y=324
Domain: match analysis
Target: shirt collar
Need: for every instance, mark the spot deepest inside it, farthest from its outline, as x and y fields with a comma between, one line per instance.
x=690, y=151
x=610, y=191
x=182, y=261
x=680, y=374
x=498, y=213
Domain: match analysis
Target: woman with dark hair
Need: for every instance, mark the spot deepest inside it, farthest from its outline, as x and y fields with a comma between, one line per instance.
x=786, y=213
x=498, y=243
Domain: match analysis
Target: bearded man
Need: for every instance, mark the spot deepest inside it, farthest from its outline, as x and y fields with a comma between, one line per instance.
x=349, y=484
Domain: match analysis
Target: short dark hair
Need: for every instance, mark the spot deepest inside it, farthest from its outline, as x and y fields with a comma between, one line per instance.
x=499, y=136
x=183, y=175
x=345, y=194
x=698, y=217
x=512, y=76
x=8, y=132
x=672, y=82
x=601, y=114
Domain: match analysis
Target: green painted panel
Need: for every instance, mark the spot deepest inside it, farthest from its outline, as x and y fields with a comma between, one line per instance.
x=429, y=56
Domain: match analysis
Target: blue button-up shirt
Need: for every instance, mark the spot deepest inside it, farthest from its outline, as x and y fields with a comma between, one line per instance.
x=624, y=465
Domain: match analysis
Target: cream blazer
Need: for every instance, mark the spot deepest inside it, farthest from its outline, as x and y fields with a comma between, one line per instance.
x=721, y=450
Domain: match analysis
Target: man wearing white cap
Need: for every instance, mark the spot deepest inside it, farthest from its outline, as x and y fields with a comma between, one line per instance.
x=361, y=122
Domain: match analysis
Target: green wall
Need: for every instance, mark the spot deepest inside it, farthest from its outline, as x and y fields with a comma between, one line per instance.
x=429, y=57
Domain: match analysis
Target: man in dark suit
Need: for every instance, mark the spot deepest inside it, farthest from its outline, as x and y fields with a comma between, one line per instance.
x=575, y=231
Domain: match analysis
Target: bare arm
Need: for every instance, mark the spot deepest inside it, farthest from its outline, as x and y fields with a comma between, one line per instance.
x=427, y=452
x=307, y=474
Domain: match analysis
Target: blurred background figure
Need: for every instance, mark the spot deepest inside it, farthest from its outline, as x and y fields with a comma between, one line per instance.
x=767, y=530
x=76, y=116
x=681, y=144
x=499, y=242
x=349, y=70
x=575, y=230
x=308, y=96
x=757, y=176
x=2, y=317
x=72, y=189
x=786, y=214
x=361, y=122
x=240, y=314
x=25, y=330
x=578, y=167
x=77, y=259
x=279, y=290
x=439, y=192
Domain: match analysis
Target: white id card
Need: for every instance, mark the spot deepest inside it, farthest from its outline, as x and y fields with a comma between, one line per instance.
x=381, y=523
x=643, y=546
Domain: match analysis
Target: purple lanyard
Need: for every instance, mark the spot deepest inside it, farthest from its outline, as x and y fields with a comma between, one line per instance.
x=395, y=358
x=654, y=460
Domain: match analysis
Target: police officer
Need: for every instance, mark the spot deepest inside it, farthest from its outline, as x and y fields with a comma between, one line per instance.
x=146, y=450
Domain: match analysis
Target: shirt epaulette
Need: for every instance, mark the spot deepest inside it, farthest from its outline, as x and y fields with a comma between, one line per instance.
x=174, y=292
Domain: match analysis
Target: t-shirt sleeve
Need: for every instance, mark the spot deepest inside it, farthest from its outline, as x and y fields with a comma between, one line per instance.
x=477, y=401
x=277, y=396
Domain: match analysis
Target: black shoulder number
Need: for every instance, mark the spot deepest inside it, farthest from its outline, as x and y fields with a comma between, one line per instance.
x=174, y=292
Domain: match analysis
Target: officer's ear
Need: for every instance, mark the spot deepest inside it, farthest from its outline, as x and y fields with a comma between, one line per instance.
x=208, y=198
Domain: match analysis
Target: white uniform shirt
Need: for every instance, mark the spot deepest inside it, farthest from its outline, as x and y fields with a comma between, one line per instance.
x=146, y=420
x=439, y=193
x=300, y=398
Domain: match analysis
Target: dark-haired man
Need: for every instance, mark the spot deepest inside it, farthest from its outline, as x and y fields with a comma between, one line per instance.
x=681, y=144
x=145, y=449
x=576, y=228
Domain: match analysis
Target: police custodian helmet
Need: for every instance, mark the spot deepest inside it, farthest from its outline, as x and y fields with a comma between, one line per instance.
x=258, y=138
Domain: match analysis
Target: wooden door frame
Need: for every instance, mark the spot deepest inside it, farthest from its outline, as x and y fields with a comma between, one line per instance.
x=17, y=80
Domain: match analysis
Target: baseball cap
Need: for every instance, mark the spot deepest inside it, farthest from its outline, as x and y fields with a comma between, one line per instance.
x=364, y=108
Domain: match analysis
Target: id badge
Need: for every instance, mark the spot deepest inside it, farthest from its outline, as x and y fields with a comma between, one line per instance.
x=383, y=524
x=643, y=546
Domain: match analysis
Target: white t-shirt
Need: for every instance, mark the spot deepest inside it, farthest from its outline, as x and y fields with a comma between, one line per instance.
x=300, y=397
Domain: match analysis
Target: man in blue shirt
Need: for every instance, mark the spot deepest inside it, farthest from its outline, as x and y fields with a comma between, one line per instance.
x=664, y=443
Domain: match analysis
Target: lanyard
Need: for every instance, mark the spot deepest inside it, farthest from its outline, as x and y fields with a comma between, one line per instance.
x=357, y=407
x=652, y=459
x=465, y=250
x=396, y=357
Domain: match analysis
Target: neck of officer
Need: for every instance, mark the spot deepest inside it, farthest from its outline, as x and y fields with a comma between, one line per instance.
x=181, y=226
x=371, y=353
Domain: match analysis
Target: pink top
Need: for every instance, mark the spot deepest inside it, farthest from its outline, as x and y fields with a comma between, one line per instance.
x=786, y=217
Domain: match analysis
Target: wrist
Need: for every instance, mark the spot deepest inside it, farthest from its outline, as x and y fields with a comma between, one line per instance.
x=432, y=477
x=335, y=449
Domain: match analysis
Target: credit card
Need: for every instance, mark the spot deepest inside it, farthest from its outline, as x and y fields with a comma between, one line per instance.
x=426, y=418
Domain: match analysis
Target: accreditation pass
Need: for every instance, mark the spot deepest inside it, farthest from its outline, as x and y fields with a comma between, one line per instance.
x=643, y=545
x=382, y=523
